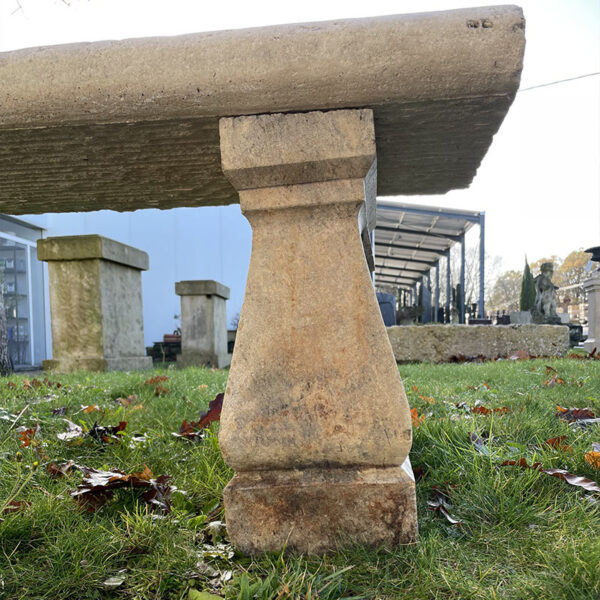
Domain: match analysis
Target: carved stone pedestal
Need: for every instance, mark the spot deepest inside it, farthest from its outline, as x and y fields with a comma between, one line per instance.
x=95, y=304
x=592, y=288
x=203, y=324
x=315, y=420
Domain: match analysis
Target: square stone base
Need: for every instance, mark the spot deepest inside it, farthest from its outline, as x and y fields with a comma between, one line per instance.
x=130, y=363
x=314, y=510
x=201, y=359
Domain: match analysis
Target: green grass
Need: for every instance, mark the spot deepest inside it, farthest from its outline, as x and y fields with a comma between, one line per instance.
x=524, y=534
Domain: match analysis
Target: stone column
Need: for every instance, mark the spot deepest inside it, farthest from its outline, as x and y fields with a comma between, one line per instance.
x=203, y=323
x=95, y=304
x=315, y=420
x=592, y=289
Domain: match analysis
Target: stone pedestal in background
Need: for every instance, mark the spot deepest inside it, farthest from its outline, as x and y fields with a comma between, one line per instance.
x=315, y=420
x=203, y=324
x=95, y=304
x=592, y=289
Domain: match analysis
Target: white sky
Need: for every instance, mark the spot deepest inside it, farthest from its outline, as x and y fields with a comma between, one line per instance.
x=540, y=181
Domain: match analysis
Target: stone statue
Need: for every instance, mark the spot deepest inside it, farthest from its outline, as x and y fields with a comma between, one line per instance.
x=544, y=309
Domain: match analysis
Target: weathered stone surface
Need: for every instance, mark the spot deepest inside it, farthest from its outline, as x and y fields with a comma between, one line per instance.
x=81, y=247
x=439, y=343
x=134, y=123
x=203, y=324
x=95, y=304
x=592, y=289
x=520, y=317
x=313, y=390
x=204, y=287
x=315, y=510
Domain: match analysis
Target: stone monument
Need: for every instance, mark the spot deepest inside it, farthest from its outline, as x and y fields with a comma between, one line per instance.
x=95, y=304
x=544, y=309
x=203, y=324
x=592, y=288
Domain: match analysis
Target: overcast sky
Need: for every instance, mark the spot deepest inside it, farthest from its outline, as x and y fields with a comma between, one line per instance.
x=539, y=184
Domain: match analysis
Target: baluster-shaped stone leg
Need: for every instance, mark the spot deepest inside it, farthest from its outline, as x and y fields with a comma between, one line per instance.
x=315, y=419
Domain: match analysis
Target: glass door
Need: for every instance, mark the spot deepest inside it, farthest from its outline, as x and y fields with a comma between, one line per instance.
x=16, y=289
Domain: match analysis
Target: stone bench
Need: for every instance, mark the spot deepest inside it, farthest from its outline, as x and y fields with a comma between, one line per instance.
x=95, y=304
x=286, y=121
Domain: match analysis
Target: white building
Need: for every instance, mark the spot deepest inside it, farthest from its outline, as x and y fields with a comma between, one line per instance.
x=183, y=243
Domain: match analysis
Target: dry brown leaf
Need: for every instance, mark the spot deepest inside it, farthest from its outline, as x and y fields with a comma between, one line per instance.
x=416, y=419
x=558, y=443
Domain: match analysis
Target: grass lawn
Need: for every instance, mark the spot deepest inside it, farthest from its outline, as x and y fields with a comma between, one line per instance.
x=523, y=534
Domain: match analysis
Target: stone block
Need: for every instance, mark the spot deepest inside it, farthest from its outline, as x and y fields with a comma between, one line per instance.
x=203, y=324
x=520, y=317
x=440, y=343
x=592, y=289
x=95, y=304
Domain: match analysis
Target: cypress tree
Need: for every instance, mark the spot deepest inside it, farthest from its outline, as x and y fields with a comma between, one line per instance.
x=527, y=299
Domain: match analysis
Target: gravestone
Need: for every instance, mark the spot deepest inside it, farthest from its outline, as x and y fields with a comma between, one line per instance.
x=203, y=324
x=95, y=304
x=387, y=306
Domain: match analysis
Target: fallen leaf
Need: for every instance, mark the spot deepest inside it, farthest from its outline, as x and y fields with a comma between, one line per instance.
x=56, y=470
x=558, y=443
x=97, y=487
x=575, y=480
x=550, y=369
x=554, y=380
x=106, y=434
x=480, y=443
x=419, y=473
x=426, y=399
x=26, y=435
x=73, y=431
x=116, y=580
x=16, y=506
x=482, y=410
x=574, y=414
x=521, y=355
x=440, y=503
x=132, y=399
x=416, y=419
x=59, y=412
x=157, y=379
x=193, y=429
x=160, y=390
x=89, y=409
x=593, y=457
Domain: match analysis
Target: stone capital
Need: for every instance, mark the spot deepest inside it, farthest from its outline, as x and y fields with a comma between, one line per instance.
x=85, y=247
x=286, y=149
x=202, y=287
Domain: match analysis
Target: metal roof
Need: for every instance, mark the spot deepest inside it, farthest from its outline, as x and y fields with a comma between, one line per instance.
x=411, y=238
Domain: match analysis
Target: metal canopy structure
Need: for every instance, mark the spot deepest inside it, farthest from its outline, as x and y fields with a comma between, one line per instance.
x=411, y=239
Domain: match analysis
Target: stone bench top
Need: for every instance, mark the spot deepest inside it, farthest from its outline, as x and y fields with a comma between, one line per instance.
x=85, y=247
x=134, y=124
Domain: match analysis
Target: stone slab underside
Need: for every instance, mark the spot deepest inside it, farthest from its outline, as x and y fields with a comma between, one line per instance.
x=134, y=124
